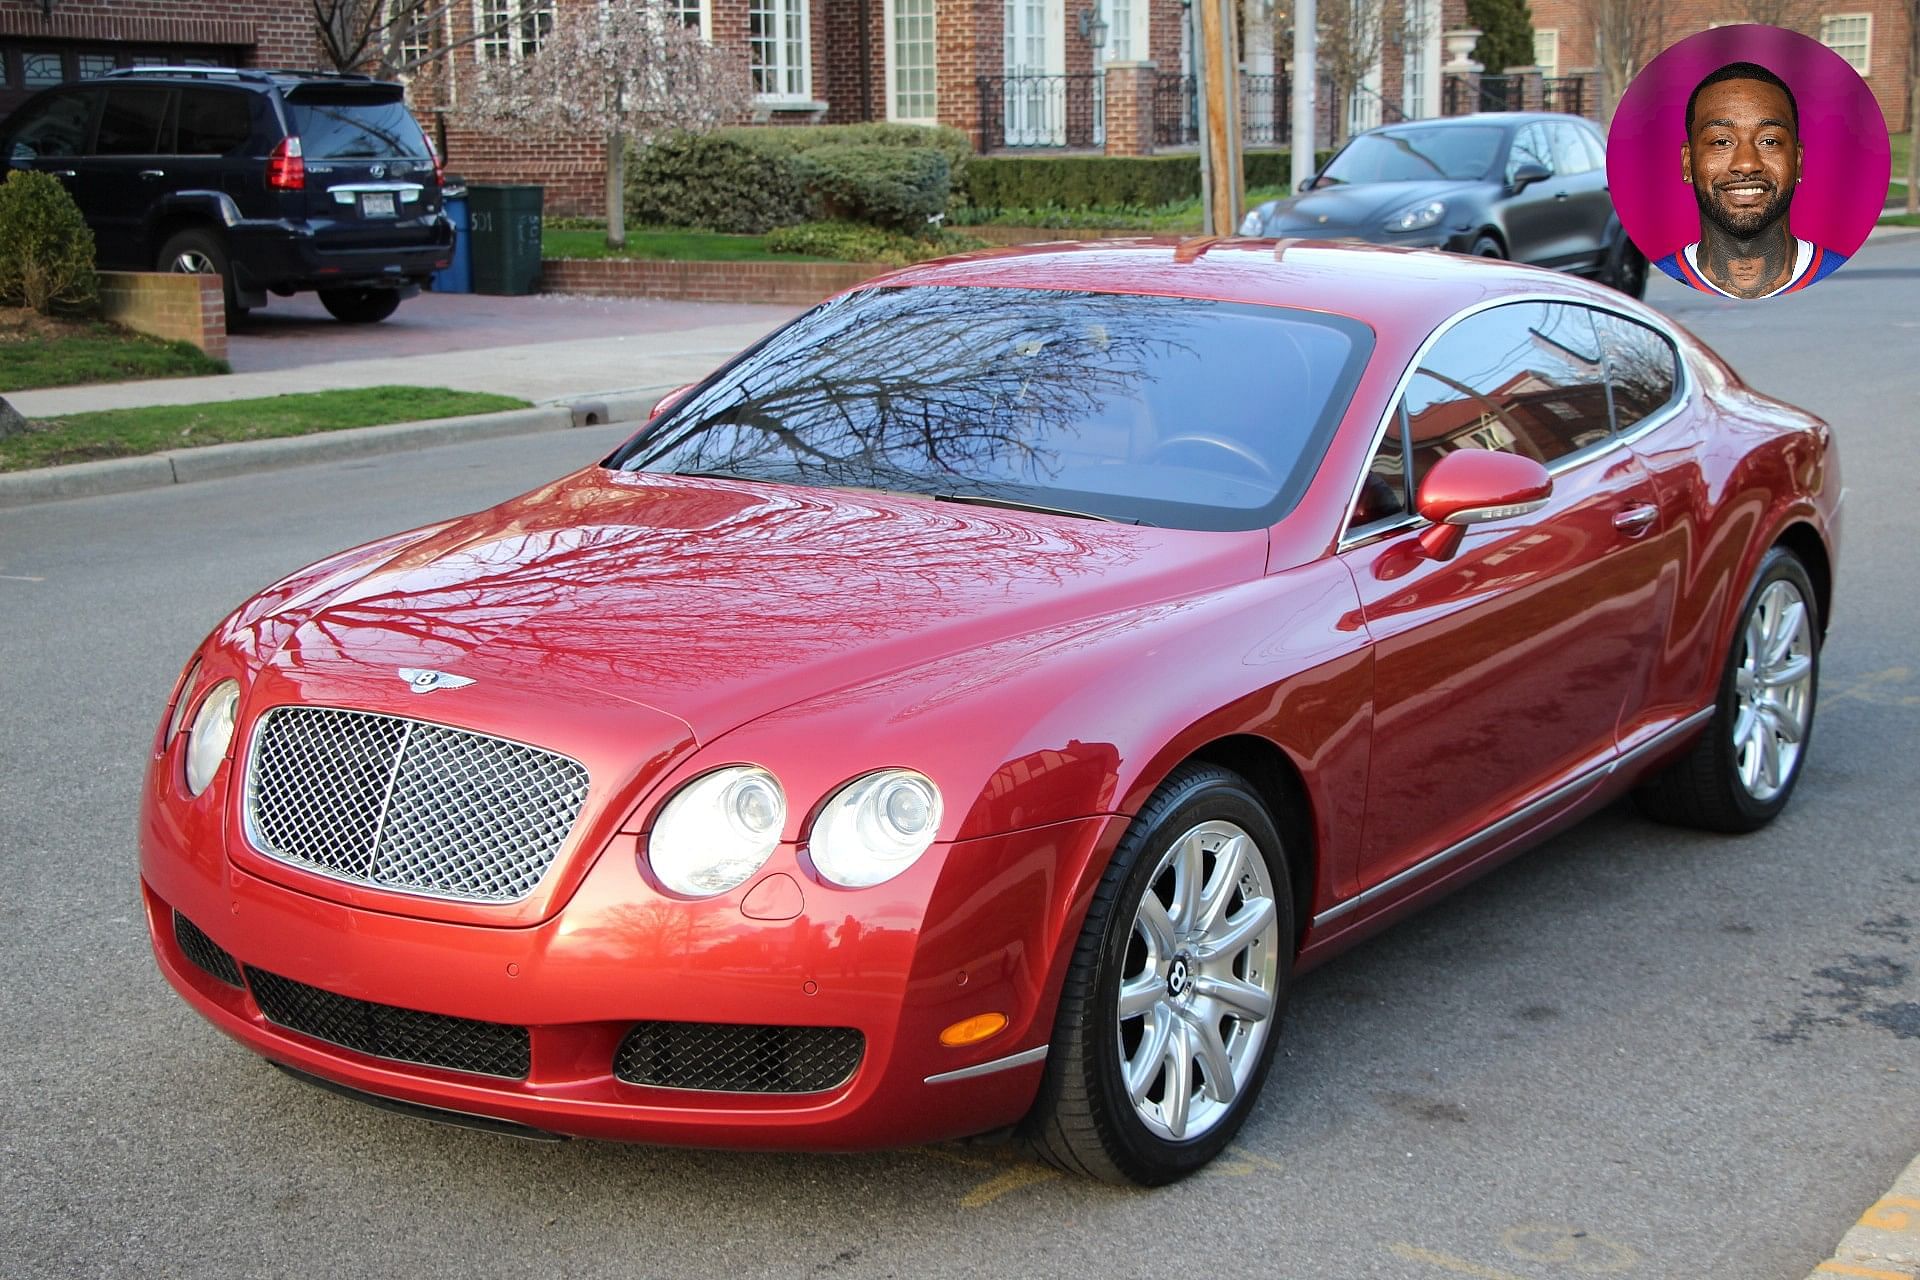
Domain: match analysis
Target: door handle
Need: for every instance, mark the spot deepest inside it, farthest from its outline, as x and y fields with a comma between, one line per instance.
x=153, y=173
x=63, y=173
x=1559, y=195
x=1634, y=521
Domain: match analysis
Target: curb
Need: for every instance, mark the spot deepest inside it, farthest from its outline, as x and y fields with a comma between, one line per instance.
x=1885, y=1243
x=215, y=461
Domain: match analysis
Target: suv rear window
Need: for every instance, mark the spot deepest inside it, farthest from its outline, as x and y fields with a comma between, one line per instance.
x=348, y=130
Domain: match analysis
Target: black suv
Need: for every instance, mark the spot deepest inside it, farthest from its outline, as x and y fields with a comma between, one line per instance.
x=278, y=181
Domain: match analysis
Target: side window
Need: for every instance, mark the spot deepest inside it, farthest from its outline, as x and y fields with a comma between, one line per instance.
x=1530, y=146
x=130, y=124
x=1596, y=149
x=57, y=126
x=1642, y=368
x=1383, y=492
x=1525, y=379
x=212, y=122
x=1569, y=152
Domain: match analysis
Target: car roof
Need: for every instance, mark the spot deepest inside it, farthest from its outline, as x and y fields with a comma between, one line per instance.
x=1387, y=288
x=253, y=77
x=1502, y=118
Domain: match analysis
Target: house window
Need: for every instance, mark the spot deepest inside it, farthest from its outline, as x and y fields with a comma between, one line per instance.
x=910, y=66
x=1126, y=30
x=418, y=23
x=1851, y=36
x=1546, y=51
x=512, y=28
x=691, y=13
x=96, y=64
x=38, y=70
x=777, y=49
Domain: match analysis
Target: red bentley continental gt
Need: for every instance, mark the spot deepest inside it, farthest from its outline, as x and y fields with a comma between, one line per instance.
x=970, y=707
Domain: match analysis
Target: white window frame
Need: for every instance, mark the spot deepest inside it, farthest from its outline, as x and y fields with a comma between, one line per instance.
x=1549, y=67
x=890, y=10
x=1865, y=44
x=509, y=44
x=1420, y=67
x=1138, y=34
x=780, y=67
x=429, y=26
x=702, y=13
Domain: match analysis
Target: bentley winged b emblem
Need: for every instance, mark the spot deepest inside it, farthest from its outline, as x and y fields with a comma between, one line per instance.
x=427, y=681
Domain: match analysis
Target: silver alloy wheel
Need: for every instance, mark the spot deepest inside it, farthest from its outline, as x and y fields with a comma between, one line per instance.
x=192, y=262
x=1773, y=687
x=1199, y=984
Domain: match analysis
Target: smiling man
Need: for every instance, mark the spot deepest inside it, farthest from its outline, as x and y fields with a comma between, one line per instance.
x=1743, y=158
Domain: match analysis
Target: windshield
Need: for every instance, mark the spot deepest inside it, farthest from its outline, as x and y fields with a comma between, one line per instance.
x=1167, y=411
x=356, y=130
x=1417, y=155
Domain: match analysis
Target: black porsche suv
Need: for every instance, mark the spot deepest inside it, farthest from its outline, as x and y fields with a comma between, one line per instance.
x=278, y=181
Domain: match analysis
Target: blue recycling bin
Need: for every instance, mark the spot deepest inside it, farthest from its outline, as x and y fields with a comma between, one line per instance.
x=457, y=277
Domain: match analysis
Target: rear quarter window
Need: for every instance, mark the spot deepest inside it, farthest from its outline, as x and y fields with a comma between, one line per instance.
x=212, y=122
x=1643, y=370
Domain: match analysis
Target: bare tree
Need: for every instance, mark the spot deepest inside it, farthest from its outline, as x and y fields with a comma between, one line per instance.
x=629, y=70
x=390, y=37
x=1349, y=46
x=1795, y=15
x=1626, y=35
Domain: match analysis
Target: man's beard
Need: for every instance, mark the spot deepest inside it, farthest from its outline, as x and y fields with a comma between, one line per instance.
x=1744, y=224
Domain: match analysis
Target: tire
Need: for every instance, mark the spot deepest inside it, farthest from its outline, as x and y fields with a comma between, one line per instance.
x=1767, y=696
x=1239, y=948
x=202, y=253
x=1487, y=247
x=1626, y=268
x=360, y=306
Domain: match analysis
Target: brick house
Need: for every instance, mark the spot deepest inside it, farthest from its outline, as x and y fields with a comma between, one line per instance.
x=1109, y=75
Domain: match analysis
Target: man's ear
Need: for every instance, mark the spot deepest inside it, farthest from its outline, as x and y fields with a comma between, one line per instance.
x=1686, y=163
x=1799, y=159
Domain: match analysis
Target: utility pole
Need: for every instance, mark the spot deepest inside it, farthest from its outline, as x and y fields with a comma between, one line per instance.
x=1222, y=179
x=1306, y=58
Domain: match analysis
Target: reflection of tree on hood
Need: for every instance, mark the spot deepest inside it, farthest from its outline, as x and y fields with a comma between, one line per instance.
x=949, y=385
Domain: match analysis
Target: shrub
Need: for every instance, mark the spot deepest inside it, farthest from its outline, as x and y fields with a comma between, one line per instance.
x=1111, y=182
x=949, y=142
x=719, y=182
x=46, y=250
x=848, y=243
x=901, y=188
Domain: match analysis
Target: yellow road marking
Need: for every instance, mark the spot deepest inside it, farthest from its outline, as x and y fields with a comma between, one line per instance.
x=1024, y=1175
x=1447, y=1262
x=1889, y=1214
x=1833, y=1267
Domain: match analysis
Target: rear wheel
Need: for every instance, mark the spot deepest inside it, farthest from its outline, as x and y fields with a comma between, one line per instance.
x=1626, y=268
x=1738, y=777
x=1171, y=1007
x=360, y=306
x=1487, y=247
x=197, y=252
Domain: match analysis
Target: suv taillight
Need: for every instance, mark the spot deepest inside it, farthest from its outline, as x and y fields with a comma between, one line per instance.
x=286, y=170
x=439, y=170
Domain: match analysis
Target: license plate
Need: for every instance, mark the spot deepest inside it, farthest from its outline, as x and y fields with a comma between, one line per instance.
x=376, y=204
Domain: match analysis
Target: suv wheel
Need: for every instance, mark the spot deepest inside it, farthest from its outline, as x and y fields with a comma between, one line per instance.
x=360, y=306
x=201, y=253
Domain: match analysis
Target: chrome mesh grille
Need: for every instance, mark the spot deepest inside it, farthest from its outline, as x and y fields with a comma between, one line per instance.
x=728, y=1058
x=404, y=804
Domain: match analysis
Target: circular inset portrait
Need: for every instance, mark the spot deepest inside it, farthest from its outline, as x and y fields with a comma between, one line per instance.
x=1748, y=161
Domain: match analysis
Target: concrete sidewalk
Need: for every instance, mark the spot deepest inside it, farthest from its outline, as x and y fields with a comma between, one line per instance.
x=547, y=372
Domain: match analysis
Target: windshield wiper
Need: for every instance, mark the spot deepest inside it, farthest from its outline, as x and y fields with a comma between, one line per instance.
x=1011, y=504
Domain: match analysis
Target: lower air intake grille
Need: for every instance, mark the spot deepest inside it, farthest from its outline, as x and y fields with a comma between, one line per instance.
x=430, y=1039
x=726, y=1058
x=205, y=953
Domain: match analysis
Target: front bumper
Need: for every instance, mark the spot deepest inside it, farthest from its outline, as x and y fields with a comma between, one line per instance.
x=974, y=927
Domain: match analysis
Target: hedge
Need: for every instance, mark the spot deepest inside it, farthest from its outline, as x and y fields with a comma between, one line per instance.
x=716, y=183
x=1079, y=182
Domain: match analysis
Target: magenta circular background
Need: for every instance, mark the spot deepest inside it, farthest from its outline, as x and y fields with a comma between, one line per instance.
x=1843, y=181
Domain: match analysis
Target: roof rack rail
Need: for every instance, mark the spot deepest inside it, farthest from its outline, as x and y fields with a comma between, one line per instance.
x=238, y=73
x=317, y=75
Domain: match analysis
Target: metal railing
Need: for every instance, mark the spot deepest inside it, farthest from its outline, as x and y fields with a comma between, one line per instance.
x=1018, y=111
x=1563, y=93
x=1514, y=93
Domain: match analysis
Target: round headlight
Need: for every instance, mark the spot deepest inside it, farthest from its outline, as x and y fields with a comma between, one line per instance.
x=211, y=735
x=717, y=830
x=1418, y=218
x=875, y=827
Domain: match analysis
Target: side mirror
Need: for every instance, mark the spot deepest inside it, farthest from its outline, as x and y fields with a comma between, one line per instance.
x=1528, y=174
x=668, y=400
x=1472, y=486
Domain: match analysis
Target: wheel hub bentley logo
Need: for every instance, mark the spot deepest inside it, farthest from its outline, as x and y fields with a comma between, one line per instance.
x=1177, y=977
x=427, y=681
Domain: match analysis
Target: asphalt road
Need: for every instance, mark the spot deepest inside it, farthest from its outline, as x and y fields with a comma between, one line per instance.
x=1634, y=1052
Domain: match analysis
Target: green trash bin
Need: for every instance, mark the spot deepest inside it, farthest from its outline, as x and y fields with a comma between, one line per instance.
x=505, y=237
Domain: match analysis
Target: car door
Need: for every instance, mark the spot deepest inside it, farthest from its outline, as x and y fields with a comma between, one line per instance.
x=126, y=170
x=1580, y=194
x=1500, y=674
x=50, y=135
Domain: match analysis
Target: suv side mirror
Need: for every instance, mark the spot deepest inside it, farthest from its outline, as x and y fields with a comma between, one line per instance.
x=1528, y=174
x=1472, y=486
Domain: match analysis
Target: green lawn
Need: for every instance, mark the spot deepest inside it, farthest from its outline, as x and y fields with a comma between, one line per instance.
x=1901, y=220
x=125, y=433
x=36, y=352
x=669, y=244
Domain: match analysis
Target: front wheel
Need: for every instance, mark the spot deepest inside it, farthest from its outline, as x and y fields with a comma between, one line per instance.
x=1738, y=777
x=360, y=306
x=196, y=252
x=1487, y=247
x=1172, y=1004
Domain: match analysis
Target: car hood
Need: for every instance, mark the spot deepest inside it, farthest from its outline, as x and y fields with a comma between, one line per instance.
x=610, y=599
x=1364, y=206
